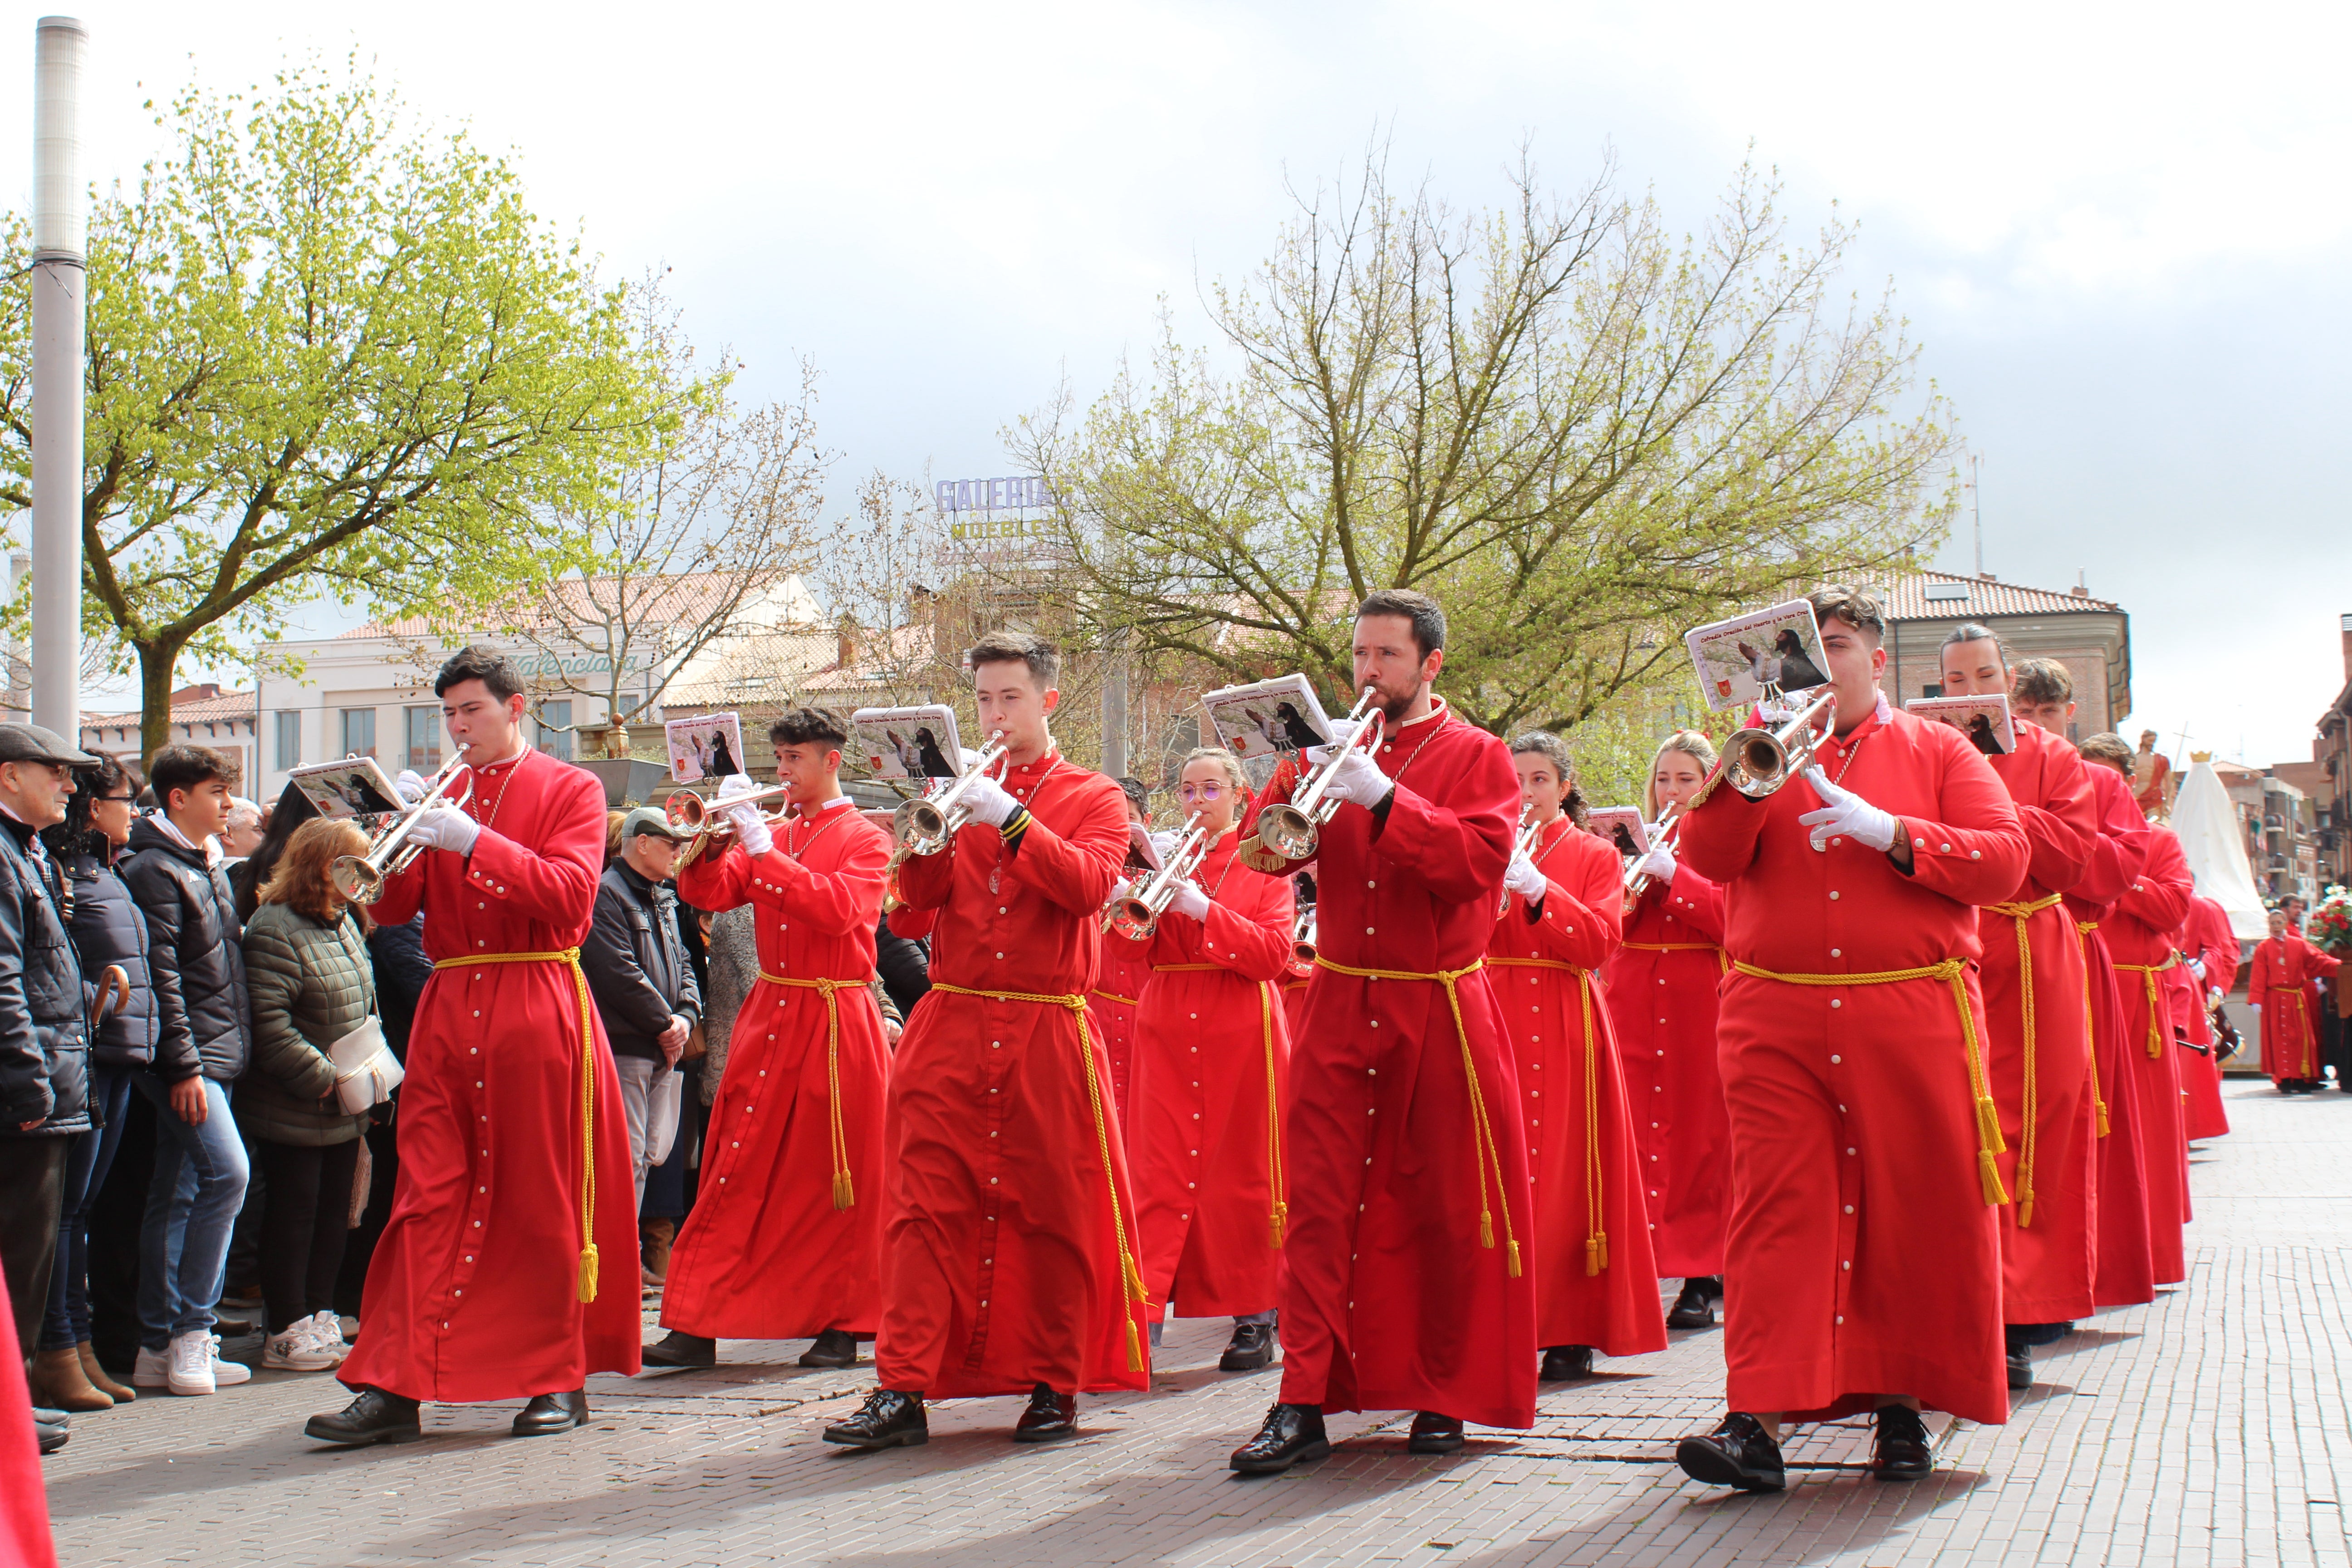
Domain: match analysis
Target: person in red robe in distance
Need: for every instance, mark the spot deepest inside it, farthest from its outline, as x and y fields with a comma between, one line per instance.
x=2281, y=985
x=484, y=1284
x=1008, y=1237
x=2207, y=949
x=785, y=1236
x=1864, y=1142
x=1119, y=983
x=1212, y=1055
x=1410, y=1282
x=2035, y=1023
x=1596, y=1277
x=1661, y=989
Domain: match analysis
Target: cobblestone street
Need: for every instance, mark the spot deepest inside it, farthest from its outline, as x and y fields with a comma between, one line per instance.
x=2207, y=1428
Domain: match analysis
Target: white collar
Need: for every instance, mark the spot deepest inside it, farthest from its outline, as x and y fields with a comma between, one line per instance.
x=1436, y=710
x=211, y=850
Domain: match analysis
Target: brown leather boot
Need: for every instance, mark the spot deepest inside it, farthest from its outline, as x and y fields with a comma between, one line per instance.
x=658, y=1233
x=59, y=1382
x=120, y=1393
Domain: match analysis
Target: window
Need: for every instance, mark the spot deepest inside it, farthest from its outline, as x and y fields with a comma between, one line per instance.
x=423, y=739
x=1931, y=690
x=554, y=729
x=359, y=731
x=289, y=739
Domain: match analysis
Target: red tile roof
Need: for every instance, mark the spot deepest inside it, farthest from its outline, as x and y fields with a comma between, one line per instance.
x=1905, y=598
x=206, y=704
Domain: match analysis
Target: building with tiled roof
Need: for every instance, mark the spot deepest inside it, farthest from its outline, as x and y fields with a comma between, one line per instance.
x=2092, y=638
x=201, y=715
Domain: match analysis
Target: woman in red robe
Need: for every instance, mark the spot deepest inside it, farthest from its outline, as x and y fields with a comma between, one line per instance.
x=2281, y=985
x=1662, y=989
x=1213, y=1054
x=1596, y=1277
x=2209, y=960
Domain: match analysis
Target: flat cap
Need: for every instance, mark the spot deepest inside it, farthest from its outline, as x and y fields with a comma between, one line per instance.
x=649, y=819
x=32, y=744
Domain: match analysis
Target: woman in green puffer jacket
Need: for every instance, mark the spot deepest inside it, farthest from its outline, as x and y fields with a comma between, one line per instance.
x=307, y=970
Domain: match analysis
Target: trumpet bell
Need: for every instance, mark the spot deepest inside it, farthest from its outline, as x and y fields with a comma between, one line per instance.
x=357, y=881
x=921, y=827
x=687, y=809
x=1758, y=763
x=1132, y=918
x=1287, y=831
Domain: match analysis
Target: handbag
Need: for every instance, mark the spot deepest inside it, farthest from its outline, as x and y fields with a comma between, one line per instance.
x=663, y=1109
x=366, y=1072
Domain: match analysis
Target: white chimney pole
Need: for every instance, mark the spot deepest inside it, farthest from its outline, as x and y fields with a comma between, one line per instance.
x=60, y=241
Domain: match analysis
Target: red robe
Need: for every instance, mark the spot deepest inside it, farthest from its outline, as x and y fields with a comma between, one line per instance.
x=2139, y=940
x=1213, y=1051
x=2283, y=981
x=1596, y=1274
x=1008, y=1227
x=2126, y=1268
x=25, y=1538
x=772, y=1251
x=473, y=1292
x=1398, y=1178
x=1119, y=987
x=2204, y=937
x=2049, y=1228
x=1662, y=987
x=1855, y=1130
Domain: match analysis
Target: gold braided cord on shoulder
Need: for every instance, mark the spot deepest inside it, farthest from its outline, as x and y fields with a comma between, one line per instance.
x=1485, y=1153
x=2022, y=914
x=2147, y=973
x=843, y=1194
x=2083, y=930
x=1952, y=971
x=1596, y=1219
x=1277, y=1219
x=569, y=957
x=1077, y=1004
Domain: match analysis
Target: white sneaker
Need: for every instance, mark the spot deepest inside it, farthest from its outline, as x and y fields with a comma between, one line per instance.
x=226, y=1372
x=191, y=1370
x=298, y=1349
x=153, y=1369
x=327, y=1330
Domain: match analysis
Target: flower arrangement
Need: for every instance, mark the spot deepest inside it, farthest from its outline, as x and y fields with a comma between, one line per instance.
x=2330, y=926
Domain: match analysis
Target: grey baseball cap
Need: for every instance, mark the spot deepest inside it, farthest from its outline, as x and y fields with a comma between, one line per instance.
x=32, y=744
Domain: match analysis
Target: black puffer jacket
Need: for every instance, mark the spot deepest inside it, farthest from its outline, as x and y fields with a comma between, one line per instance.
x=636, y=963
x=108, y=928
x=44, y=1041
x=193, y=935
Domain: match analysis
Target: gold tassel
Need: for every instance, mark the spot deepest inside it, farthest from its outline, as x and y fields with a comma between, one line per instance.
x=1604, y=1249
x=1990, y=1170
x=1134, y=1276
x=1486, y=1228
x=843, y=1196
x=2025, y=1209
x=1989, y=1126
x=1134, y=1348
x=588, y=1272
x=1591, y=1256
x=1276, y=1224
x=1514, y=1259
x=2103, y=1118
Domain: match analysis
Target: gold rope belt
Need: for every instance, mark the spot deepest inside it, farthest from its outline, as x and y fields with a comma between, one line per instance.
x=1115, y=996
x=1951, y=972
x=1277, y=1219
x=2083, y=930
x=1596, y=1221
x=2147, y=973
x=2303, y=1018
x=1723, y=963
x=843, y=1194
x=1485, y=1152
x=1077, y=1008
x=570, y=956
x=2030, y=1097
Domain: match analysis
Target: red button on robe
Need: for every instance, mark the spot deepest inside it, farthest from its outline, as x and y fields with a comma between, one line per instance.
x=1008, y=1203
x=1596, y=1276
x=1394, y=1302
x=1213, y=1052
x=1118, y=988
x=1863, y=1258
x=2126, y=1268
x=2204, y=937
x=766, y=1254
x=472, y=1293
x=2282, y=980
x=1662, y=988
x=2139, y=940
x=2049, y=1227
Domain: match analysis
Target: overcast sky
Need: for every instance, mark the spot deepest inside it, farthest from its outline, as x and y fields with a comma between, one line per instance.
x=2119, y=231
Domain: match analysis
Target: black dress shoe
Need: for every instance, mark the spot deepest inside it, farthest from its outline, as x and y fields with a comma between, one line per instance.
x=1050, y=1417
x=678, y=1348
x=548, y=1414
x=1293, y=1435
x=889, y=1419
x=1252, y=1347
x=1692, y=1308
x=1737, y=1453
x=1899, y=1451
x=374, y=1416
x=2021, y=1367
x=1566, y=1363
x=1434, y=1434
x=50, y=1436
x=833, y=1348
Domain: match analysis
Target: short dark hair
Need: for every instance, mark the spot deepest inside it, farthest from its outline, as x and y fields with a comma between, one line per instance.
x=1005, y=645
x=2041, y=680
x=1138, y=795
x=1428, y=620
x=1976, y=631
x=800, y=726
x=184, y=767
x=76, y=835
x=494, y=669
x=1856, y=608
x=2112, y=748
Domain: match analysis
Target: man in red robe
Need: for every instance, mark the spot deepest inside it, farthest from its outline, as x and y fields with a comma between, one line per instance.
x=2282, y=985
x=1864, y=1142
x=1008, y=1237
x=784, y=1239
x=2208, y=963
x=1410, y=1287
x=2037, y=1035
x=514, y=1156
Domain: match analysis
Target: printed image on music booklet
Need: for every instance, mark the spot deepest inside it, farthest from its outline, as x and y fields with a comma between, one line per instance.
x=706, y=746
x=1983, y=719
x=1621, y=828
x=352, y=786
x=1267, y=718
x=907, y=742
x=1737, y=659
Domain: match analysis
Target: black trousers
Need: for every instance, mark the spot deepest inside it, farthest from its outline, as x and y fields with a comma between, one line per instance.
x=32, y=1194
x=306, y=1215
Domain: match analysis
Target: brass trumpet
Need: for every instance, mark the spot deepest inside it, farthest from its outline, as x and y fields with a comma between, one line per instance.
x=361, y=878
x=1758, y=760
x=1302, y=936
x=1137, y=915
x=1291, y=829
x=924, y=826
x=706, y=819
x=1668, y=831
x=1529, y=831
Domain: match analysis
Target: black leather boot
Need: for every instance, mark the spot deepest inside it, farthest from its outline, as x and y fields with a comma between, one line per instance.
x=1899, y=1451
x=1434, y=1434
x=678, y=1348
x=1692, y=1309
x=1737, y=1453
x=1565, y=1363
x=833, y=1348
x=1293, y=1435
x=374, y=1416
x=548, y=1414
x=889, y=1419
x=1252, y=1347
x=1050, y=1417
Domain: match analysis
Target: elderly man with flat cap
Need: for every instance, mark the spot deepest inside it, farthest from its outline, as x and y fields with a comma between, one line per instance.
x=644, y=985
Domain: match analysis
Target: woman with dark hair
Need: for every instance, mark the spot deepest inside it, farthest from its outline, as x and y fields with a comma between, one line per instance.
x=247, y=877
x=111, y=937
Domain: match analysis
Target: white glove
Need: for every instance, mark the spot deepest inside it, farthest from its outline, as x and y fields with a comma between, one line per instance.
x=989, y=802
x=445, y=828
x=1163, y=841
x=1190, y=900
x=1845, y=815
x=751, y=830
x=1357, y=780
x=1658, y=865
x=736, y=783
x=1343, y=731
x=2257, y=1007
x=1120, y=890
x=2197, y=967
x=1524, y=877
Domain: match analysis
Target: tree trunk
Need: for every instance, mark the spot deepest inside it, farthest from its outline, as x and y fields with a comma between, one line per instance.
x=159, y=663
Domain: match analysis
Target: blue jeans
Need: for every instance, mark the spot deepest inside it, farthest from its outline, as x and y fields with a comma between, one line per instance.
x=66, y=1322
x=192, y=1204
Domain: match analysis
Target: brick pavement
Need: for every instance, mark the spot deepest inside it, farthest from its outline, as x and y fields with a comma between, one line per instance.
x=2208, y=1428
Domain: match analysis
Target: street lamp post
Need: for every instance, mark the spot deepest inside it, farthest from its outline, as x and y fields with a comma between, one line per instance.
x=60, y=240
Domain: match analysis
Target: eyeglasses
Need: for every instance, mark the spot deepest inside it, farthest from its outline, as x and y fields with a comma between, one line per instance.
x=124, y=799
x=1199, y=791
